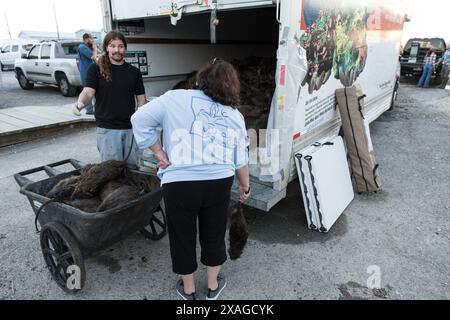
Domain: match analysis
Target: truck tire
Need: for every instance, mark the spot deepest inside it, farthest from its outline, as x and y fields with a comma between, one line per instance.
x=444, y=77
x=2, y=67
x=23, y=81
x=394, y=96
x=65, y=87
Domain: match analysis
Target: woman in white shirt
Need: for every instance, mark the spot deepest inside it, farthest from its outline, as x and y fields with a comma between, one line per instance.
x=205, y=146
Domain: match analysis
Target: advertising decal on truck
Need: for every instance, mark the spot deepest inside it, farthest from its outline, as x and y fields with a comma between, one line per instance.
x=339, y=41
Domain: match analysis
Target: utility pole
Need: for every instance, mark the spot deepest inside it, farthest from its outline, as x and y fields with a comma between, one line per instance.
x=57, y=29
x=7, y=25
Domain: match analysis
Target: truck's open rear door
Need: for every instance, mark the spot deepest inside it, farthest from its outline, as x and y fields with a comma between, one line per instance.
x=132, y=9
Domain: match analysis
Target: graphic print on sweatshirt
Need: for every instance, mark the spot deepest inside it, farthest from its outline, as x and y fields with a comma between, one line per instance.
x=211, y=124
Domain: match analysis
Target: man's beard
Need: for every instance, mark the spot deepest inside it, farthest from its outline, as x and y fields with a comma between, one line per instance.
x=116, y=57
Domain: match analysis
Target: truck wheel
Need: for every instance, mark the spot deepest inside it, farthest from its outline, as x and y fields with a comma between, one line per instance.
x=444, y=77
x=394, y=96
x=2, y=67
x=23, y=82
x=65, y=87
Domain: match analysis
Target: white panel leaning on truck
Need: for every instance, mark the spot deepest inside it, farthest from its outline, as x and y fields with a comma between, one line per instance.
x=321, y=45
x=325, y=183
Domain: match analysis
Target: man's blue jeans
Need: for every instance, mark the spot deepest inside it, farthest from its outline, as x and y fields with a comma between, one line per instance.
x=90, y=106
x=426, y=76
x=114, y=144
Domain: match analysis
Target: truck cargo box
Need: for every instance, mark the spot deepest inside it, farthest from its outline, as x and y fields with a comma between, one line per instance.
x=315, y=47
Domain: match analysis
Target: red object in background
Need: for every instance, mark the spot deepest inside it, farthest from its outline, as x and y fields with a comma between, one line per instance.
x=302, y=19
x=381, y=19
x=282, y=75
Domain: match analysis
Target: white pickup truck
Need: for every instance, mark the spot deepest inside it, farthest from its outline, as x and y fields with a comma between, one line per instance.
x=53, y=63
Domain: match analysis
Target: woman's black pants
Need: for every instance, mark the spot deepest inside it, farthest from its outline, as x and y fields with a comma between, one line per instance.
x=187, y=201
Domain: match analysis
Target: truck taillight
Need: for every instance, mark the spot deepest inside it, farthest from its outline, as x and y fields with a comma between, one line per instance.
x=78, y=64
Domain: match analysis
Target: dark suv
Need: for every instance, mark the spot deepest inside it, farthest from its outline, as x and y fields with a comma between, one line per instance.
x=413, y=54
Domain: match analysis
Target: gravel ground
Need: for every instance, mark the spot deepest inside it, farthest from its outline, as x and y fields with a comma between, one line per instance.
x=11, y=95
x=402, y=233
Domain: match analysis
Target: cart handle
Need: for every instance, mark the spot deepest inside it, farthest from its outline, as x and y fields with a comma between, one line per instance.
x=49, y=169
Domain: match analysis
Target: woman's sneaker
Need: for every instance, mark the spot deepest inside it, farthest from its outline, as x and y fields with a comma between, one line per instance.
x=214, y=294
x=180, y=291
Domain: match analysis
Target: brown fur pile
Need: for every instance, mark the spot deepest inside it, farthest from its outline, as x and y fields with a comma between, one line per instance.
x=94, y=177
x=238, y=232
x=64, y=189
x=188, y=83
x=110, y=187
x=101, y=187
x=257, y=77
x=121, y=195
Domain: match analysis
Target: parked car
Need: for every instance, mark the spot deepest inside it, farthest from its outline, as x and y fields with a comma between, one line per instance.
x=53, y=63
x=14, y=49
x=414, y=53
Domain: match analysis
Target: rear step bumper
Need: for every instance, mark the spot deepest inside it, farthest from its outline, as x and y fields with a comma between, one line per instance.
x=262, y=196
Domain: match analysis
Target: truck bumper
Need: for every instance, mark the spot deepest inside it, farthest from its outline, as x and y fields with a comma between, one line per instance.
x=411, y=69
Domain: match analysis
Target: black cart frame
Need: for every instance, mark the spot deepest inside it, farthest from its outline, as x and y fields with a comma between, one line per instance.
x=69, y=235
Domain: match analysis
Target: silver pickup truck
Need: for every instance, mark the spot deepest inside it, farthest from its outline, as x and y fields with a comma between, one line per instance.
x=53, y=63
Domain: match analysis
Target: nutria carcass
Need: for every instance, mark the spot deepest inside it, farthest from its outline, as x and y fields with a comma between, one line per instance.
x=64, y=188
x=120, y=196
x=238, y=232
x=94, y=177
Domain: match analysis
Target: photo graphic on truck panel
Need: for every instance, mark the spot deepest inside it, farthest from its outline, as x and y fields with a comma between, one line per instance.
x=335, y=39
x=335, y=43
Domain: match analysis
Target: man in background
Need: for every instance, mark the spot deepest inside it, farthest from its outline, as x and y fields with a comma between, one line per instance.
x=87, y=55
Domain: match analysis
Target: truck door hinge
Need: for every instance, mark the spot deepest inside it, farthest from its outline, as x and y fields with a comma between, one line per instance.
x=177, y=11
x=214, y=22
x=277, y=14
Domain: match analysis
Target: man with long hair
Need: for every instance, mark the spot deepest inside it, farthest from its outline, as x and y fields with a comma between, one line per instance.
x=205, y=146
x=118, y=87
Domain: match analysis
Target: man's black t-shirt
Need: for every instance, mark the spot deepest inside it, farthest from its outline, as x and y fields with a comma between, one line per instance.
x=115, y=100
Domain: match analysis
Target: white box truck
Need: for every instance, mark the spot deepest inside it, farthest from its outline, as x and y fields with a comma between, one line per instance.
x=316, y=47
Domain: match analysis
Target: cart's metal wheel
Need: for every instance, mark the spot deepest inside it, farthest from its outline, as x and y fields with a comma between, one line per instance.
x=157, y=228
x=63, y=257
